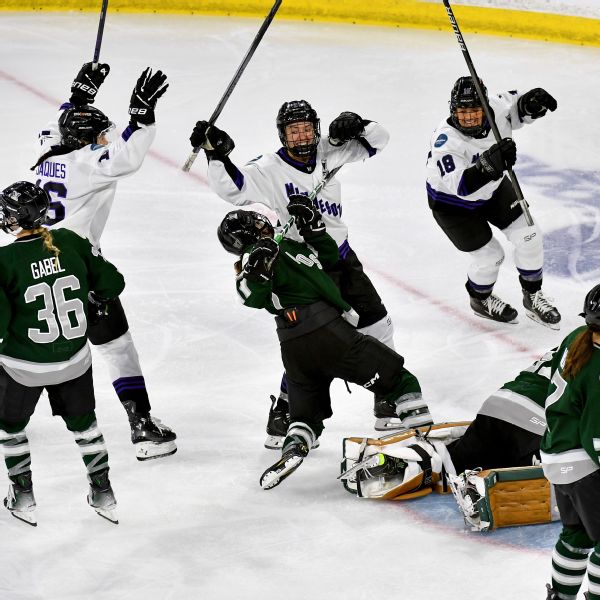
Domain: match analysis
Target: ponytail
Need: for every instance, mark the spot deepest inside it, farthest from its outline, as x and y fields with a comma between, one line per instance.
x=579, y=353
x=48, y=241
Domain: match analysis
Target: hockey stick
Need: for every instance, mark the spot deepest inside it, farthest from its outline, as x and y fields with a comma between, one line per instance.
x=103, y=11
x=328, y=176
x=486, y=107
x=259, y=36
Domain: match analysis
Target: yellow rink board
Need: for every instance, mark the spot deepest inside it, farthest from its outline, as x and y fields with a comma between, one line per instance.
x=394, y=13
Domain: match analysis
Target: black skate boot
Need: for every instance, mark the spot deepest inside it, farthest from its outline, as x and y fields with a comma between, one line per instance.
x=20, y=500
x=294, y=452
x=539, y=309
x=495, y=309
x=402, y=413
x=101, y=497
x=150, y=437
x=278, y=423
x=552, y=594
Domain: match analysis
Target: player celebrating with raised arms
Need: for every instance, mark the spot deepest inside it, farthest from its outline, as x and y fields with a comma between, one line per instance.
x=317, y=345
x=80, y=168
x=468, y=191
x=570, y=452
x=304, y=159
x=46, y=281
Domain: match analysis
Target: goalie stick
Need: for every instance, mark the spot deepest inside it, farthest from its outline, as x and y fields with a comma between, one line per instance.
x=99, y=35
x=259, y=36
x=486, y=107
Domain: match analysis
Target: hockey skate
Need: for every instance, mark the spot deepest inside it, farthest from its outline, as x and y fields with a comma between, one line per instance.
x=293, y=455
x=495, y=309
x=20, y=500
x=552, y=595
x=401, y=414
x=150, y=437
x=467, y=495
x=101, y=497
x=386, y=418
x=278, y=423
x=539, y=308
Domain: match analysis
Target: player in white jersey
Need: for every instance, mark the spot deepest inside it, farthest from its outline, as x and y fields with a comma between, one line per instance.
x=80, y=170
x=468, y=191
x=296, y=168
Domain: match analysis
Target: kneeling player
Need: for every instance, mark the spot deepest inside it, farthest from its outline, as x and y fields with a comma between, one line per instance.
x=45, y=280
x=317, y=344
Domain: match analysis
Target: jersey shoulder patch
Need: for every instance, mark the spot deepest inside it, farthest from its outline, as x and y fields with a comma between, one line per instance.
x=441, y=140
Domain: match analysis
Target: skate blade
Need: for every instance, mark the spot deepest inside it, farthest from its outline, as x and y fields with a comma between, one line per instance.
x=274, y=475
x=108, y=514
x=388, y=424
x=27, y=516
x=274, y=442
x=368, y=463
x=513, y=322
x=152, y=450
x=534, y=317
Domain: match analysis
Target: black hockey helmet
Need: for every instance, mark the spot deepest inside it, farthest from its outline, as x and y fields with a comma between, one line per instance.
x=591, y=308
x=298, y=111
x=81, y=126
x=240, y=228
x=23, y=205
x=464, y=95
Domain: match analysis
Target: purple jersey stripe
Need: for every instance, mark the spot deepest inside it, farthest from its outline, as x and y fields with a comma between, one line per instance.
x=453, y=200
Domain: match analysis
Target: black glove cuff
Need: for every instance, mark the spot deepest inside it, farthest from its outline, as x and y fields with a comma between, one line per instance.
x=79, y=101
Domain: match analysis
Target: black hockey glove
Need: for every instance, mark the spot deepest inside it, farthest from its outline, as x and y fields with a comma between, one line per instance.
x=97, y=308
x=86, y=83
x=259, y=266
x=535, y=103
x=497, y=159
x=148, y=89
x=308, y=218
x=215, y=142
x=347, y=126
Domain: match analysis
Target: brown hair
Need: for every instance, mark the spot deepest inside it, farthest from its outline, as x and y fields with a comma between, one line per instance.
x=48, y=240
x=580, y=352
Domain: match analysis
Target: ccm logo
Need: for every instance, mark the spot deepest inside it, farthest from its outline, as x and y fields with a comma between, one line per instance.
x=565, y=470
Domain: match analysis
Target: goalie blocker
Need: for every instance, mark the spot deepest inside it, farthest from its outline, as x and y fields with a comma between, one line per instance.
x=416, y=462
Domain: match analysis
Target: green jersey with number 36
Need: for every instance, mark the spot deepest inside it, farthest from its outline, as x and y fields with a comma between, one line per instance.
x=43, y=306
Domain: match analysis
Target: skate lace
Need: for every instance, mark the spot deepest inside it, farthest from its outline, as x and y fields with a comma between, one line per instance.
x=495, y=305
x=541, y=303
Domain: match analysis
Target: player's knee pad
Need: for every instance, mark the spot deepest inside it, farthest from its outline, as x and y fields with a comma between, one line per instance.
x=485, y=263
x=121, y=357
x=382, y=330
x=528, y=244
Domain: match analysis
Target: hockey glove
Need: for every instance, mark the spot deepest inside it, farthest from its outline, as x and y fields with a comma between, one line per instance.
x=535, y=103
x=497, y=159
x=215, y=142
x=259, y=266
x=308, y=218
x=148, y=89
x=97, y=308
x=347, y=126
x=86, y=83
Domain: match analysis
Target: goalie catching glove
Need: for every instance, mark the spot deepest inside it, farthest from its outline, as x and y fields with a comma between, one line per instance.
x=86, y=83
x=308, y=218
x=148, y=89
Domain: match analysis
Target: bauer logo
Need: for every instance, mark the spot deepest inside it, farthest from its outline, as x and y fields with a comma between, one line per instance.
x=442, y=139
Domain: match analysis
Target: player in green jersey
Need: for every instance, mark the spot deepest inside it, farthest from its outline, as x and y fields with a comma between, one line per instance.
x=317, y=344
x=46, y=281
x=570, y=452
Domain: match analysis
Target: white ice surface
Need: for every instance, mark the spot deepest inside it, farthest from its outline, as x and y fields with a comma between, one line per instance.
x=197, y=525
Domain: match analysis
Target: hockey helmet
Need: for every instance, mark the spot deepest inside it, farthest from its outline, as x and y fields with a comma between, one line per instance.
x=81, y=126
x=298, y=111
x=23, y=205
x=240, y=228
x=591, y=308
x=464, y=95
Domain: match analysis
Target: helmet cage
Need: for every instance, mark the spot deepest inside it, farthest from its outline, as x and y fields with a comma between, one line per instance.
x=298, y=111
x=241, y=228
x=464, y=95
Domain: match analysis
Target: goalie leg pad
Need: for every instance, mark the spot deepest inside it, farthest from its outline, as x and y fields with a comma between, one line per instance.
x=505, y=497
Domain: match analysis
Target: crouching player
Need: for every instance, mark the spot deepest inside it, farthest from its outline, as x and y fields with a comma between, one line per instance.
x=317, y=344
x=491, y=464
x=46, y=282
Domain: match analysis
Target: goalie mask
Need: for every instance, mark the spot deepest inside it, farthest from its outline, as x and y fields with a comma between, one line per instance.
x=241, y=228
x=591, y=308
x=23, y=205
x=299, y=113
x=82, y=126
x=464, y=96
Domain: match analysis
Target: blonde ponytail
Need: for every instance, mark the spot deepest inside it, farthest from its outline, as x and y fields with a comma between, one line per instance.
x=48, y=241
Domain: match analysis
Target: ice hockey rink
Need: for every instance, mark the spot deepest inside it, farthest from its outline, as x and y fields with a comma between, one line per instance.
x=197, y=525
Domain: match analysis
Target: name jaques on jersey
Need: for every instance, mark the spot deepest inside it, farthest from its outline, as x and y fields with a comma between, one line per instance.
x=271, y=178
x=82, y=183
x=452, y=152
